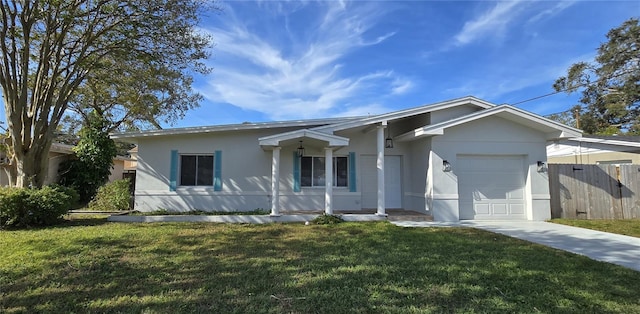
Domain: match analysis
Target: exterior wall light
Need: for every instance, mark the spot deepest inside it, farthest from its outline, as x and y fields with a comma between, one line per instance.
x=446, y=166
x=300, y=150
x=542, y=166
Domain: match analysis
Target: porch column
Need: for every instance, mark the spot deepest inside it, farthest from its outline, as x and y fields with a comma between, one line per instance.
x=328, y=181
x=380, y=168
x=275, y=182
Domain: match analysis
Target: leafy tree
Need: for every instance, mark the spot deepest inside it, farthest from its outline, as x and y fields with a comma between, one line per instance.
x=141, y=95
x=57, y=54
x=611, y=85
x=567, y=117
x=94, y=159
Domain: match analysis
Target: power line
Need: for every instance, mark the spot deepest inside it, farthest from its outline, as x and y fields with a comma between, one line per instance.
x=538, y=97
x=567, y=89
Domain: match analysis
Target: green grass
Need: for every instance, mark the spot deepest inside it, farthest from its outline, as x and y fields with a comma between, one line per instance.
x=292, y=268
x=630, y=227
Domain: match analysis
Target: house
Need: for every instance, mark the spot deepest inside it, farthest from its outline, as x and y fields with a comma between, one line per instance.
x=459, y=159
x=123, y=166
x=595, y=149
x=59, y=153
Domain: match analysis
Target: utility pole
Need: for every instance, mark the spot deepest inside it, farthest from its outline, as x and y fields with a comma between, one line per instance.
x=576, y=115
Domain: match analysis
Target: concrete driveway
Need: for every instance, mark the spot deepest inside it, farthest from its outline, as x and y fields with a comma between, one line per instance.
x=597, y=245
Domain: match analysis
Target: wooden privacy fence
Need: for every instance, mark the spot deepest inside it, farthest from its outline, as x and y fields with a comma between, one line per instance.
x=594, y=191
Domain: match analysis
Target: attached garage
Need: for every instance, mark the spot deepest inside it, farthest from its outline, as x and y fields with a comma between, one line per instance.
x=491, y=187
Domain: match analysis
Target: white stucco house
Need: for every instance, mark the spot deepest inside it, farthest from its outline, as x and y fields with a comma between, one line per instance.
x=457, y=160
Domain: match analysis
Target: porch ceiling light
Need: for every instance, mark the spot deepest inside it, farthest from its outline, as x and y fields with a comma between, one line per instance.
x=300, y=150
x=446, y=166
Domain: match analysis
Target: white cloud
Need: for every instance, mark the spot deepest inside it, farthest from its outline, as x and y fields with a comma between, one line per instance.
x=490, y=23
x=304, y=77
x=559, y=7
x=401, y=86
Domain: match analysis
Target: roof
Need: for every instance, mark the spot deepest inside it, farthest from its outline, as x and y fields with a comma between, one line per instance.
x=618, y=140
x=61, y=148
x=383, y=118
x=504, y=111
x=323, y=129
x=230, y=127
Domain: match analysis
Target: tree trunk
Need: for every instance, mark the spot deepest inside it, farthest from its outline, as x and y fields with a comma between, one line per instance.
x=31, y=166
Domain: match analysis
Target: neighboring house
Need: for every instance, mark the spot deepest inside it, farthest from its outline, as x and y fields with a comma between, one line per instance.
x=459, y=159
x=57, y=154
x=595, y=149
x=123, y=167
x=63, y=152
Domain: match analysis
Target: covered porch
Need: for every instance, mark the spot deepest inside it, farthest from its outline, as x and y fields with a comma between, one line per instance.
x=300, y=140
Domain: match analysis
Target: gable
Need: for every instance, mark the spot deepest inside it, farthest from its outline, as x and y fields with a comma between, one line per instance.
x=493, y=129
x=551, y=129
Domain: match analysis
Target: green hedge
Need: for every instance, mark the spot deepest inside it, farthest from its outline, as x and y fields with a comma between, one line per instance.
x=23, y=207
x=112, y=196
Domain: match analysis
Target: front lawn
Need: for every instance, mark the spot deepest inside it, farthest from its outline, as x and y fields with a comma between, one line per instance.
x=292, y=268
x=630, y=227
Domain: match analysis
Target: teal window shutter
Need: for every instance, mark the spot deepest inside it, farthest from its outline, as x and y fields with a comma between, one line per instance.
x=296, y=172
x=173, y=172
x=352, y=172
x=217, y=171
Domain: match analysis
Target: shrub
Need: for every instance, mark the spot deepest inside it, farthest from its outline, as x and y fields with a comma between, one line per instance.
x=22, y=207
x=325, y=219
x=94, y=158
x=74, y=200
x=112, y=196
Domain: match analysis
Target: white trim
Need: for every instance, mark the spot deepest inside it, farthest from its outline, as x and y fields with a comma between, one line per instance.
x=445, y=196
x=332, y=140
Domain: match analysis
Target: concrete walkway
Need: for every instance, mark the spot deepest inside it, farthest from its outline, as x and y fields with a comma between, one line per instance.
x=601, y=246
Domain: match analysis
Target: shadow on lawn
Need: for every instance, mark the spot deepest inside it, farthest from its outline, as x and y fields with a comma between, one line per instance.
x=63, y=223
x=348, y=268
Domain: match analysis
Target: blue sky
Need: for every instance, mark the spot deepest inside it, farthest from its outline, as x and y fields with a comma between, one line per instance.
x=282, y=60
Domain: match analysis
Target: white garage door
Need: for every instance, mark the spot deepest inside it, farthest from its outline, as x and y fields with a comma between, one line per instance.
x=491, y=187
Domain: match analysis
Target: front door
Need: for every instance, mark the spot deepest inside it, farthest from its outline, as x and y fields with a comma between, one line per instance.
x=392, y=182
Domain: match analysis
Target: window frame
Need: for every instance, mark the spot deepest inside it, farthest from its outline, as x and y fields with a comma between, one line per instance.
x=197, y=170
x=334, y=175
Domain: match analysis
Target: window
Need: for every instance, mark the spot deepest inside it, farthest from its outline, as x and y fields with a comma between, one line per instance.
x=196, y=170
x=312, y=171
